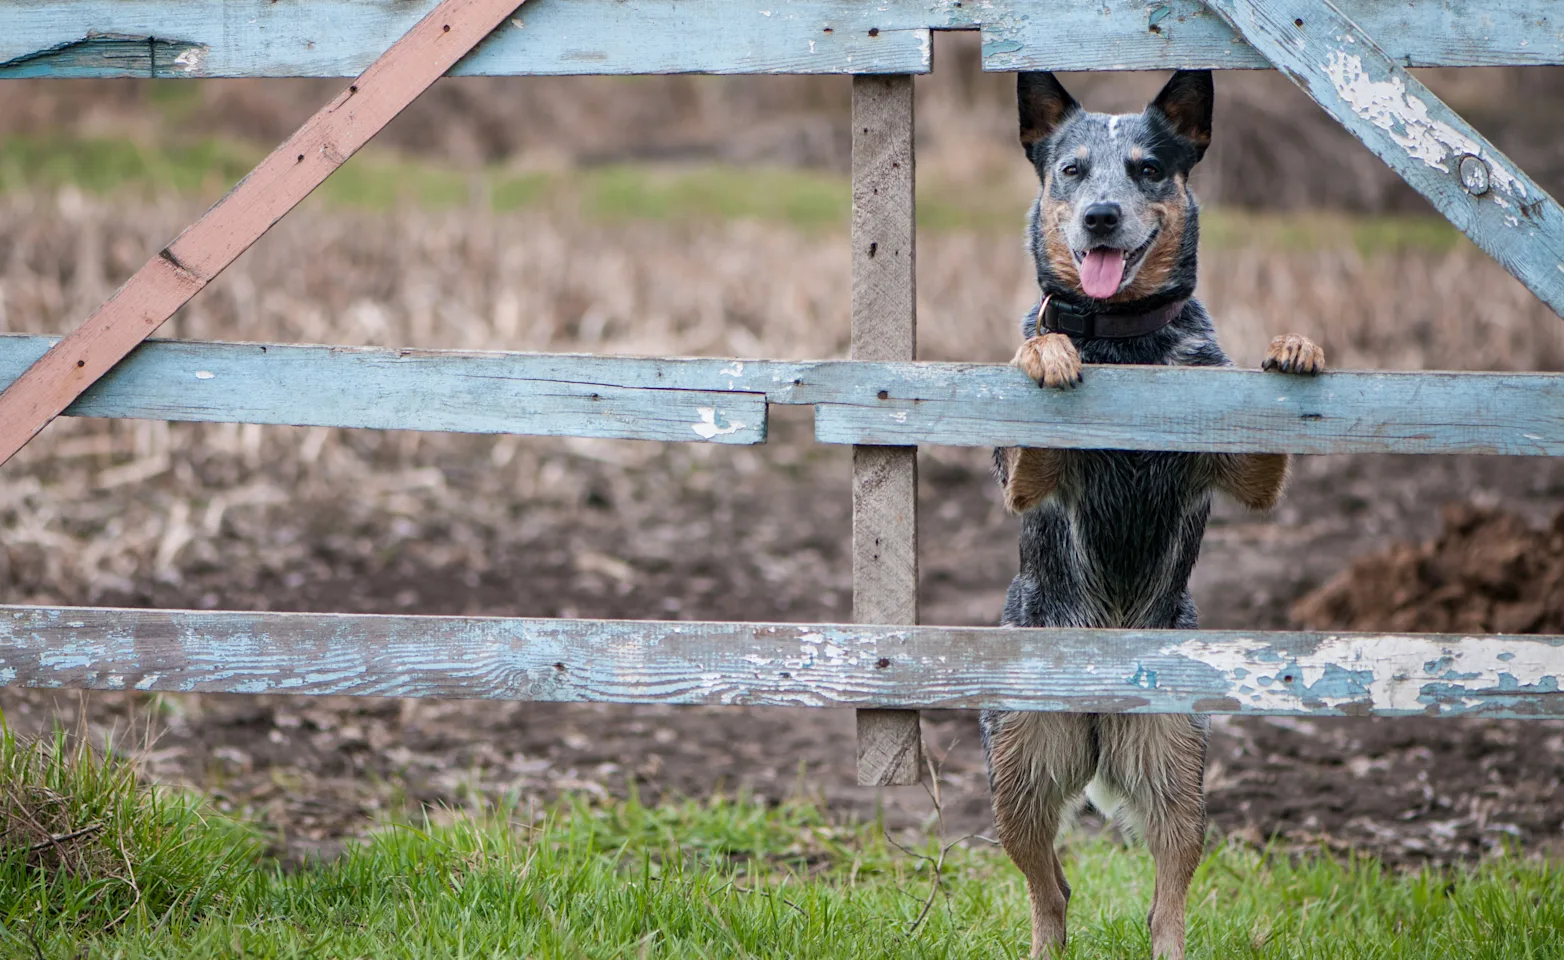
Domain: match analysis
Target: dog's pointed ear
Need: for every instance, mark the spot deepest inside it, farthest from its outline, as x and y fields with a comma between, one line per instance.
x=1042, y=105
x=1186, y=103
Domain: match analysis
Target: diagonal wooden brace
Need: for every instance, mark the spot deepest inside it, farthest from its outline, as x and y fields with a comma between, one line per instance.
x=1476, y=187
x=186, y=266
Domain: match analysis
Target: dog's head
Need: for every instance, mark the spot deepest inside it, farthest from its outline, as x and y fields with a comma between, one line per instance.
x=1115, y=220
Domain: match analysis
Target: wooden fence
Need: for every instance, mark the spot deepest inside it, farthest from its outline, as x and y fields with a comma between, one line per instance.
x=1351, y=58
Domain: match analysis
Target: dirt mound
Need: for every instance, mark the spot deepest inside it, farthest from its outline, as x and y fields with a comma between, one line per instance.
x=1488, y=572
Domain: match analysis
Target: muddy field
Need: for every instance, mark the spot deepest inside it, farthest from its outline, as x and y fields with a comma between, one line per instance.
x=290, y=519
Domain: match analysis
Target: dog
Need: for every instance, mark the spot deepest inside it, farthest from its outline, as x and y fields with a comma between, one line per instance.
x=1109, y=537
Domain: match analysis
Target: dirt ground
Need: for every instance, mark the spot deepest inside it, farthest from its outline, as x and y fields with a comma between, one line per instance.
x=637, y=541
x=244, y=517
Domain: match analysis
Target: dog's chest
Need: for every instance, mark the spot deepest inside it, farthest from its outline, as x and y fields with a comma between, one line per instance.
x=1123, y=529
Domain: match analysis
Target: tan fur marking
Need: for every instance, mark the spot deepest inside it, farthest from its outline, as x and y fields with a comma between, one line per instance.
x=1050, y=359
x=1040, y=762
x=1255, y=480
x=1294, y=353
x=1031, y=474
x=1060, y=256
x=1083, y=152
x=1161, y=260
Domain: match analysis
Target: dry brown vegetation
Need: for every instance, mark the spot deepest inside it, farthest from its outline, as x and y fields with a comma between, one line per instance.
x=94, y=508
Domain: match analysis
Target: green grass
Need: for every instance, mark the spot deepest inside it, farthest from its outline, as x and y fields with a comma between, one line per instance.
x=84, y=847
x=380, y=180
x=715, y=879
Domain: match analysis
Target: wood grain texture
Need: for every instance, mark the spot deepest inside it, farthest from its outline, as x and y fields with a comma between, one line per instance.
x=204, y=249
x=330, y=38
x=1153, y=408
x=212, y=38
x=411, y=390
x=1184, y=34
x=811, y=665
x=1342, y=66
x=885, y=327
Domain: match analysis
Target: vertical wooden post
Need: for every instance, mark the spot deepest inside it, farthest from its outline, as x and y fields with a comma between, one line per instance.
x=885, y=479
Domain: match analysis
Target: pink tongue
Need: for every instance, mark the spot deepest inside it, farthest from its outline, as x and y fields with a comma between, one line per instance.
x=1101, y=272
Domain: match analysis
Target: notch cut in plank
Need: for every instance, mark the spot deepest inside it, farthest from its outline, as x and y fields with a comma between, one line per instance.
x=958, y=404
x=203, y=250
x=1441, y=156
x=775, y=664
x=885, y=327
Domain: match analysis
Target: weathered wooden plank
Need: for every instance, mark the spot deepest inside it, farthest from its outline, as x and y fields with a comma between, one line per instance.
x=885, y=327
x=1181, y=408
x=1343, y=67
x=1172, y=34
x=1156, y=408
x=211, y=38
x=405, y=390
x=289, y=174
x=772, y=664
x=220, y=38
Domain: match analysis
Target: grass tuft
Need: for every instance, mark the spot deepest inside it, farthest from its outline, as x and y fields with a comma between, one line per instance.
x=86, y=847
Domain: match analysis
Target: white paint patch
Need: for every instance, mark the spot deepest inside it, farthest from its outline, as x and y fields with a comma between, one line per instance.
x=204, y=374
x=926, y=46
x=707, y=427
x=734, y=369
x=191, y=60
x=1397, y=668
x=900, y=416
x=1387, y=105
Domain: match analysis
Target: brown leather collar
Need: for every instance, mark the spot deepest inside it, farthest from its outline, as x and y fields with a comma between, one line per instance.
x=1057, y=317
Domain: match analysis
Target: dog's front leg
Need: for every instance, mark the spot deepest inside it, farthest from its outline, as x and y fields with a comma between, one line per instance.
x=1028, y=474
x=1256, y=480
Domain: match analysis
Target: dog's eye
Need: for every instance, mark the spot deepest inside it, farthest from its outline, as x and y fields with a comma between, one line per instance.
x=1151, y=170
x=1071, y=170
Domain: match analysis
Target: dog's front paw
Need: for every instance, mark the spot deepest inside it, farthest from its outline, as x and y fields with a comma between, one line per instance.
x=1292, y=353
x=1051, y=360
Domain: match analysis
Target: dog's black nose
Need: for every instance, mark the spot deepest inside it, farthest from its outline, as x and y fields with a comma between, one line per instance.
x=1101, y=219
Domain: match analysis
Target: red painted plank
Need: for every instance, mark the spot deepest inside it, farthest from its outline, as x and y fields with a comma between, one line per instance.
x=293, y=170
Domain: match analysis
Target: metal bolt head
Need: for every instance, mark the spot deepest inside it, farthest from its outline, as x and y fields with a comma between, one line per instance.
x=1474, y=175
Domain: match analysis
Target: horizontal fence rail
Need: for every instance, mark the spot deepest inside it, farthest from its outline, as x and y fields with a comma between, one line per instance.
x=773, y=664
x=895, y=404
x=339, y=38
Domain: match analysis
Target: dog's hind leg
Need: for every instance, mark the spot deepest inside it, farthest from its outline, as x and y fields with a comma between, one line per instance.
x=1155, y=766
x=1037, y=764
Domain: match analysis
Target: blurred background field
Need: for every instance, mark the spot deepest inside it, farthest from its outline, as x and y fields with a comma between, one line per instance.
x=707, y=216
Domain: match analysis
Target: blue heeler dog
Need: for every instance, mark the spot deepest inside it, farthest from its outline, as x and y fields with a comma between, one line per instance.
x=1109, y=537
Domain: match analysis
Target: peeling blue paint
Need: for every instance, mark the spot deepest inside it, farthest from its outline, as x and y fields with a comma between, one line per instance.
x=1143, y=678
